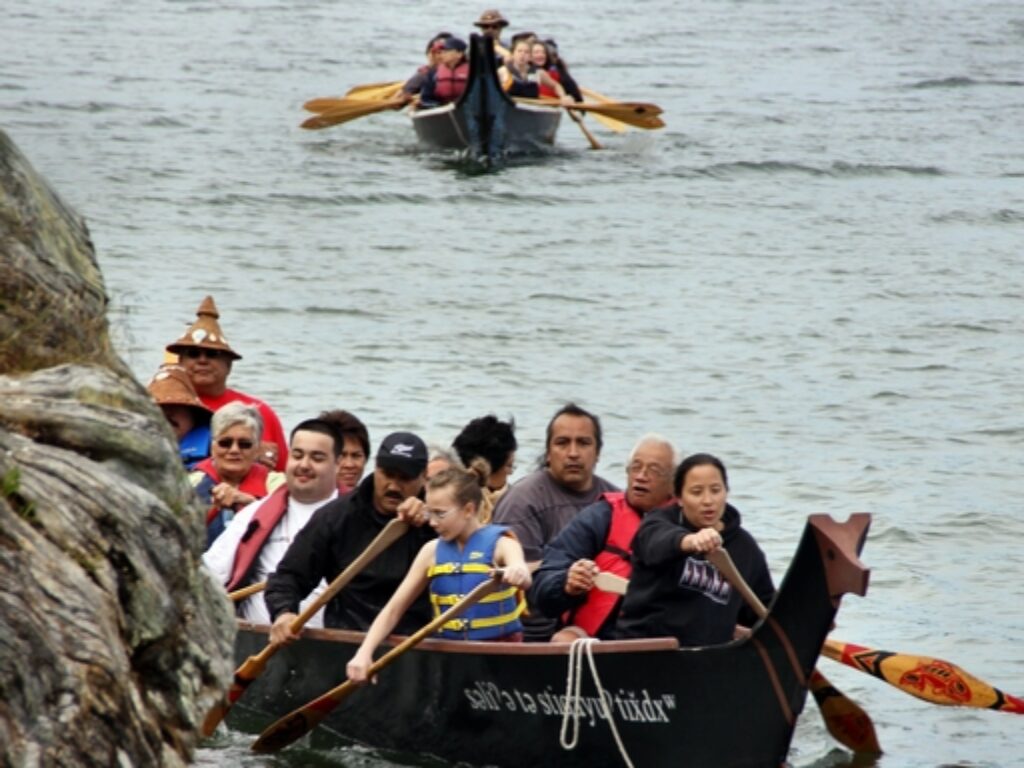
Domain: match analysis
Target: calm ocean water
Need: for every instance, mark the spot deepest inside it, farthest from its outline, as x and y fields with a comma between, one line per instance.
x=813, y=271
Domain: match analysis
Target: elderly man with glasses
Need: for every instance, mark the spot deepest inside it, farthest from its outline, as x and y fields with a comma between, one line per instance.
x=206, y=356
x=598, y=539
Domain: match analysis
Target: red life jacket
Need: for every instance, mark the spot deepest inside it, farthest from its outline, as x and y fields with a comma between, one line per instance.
x=263, y=522
x=254, y=483
x=547, y=92
x=450, y=83
x=614, y=558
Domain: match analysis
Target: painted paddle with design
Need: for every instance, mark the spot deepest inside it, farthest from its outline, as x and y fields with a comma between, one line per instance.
x=927, y=678
x=253, y=666
x=297, y=724
x=848, y=723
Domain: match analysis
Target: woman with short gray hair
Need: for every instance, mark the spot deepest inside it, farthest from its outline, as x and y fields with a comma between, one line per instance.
x=232, y=477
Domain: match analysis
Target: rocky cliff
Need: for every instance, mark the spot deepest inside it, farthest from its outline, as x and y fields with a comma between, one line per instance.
x=113, y=640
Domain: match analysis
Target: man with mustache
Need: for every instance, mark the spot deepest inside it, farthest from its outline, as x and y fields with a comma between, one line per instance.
x=540, y=505
x=340, y=531
x=598, y=539
x=258, y=536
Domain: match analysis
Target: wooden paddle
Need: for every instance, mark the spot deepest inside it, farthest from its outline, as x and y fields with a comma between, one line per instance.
x=637, y=114
x=594, y=143
x=608, y=122
x=375, y=90
x=244, y=592
x=350, y=111
x=848, y=723
x=253, y=666
x=298, y=723
x=927, y=678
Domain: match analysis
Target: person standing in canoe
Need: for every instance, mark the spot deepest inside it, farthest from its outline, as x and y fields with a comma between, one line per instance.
x=674, y=590
x=205, y=354
x=491, y=23
x=462, y=556
x=446, y=82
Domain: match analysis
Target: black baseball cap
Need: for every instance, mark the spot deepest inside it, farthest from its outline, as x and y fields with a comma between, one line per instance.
x=403, y=451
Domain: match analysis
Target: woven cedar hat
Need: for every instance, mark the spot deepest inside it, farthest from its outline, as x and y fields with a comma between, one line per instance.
x=172, y=386
x=205, y=332
x=491, y=17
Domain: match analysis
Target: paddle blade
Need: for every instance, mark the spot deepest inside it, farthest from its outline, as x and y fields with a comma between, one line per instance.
x=845, y=720
x=930, y=679
x=350, y=111
x=323, y=104
x=250, y=669
x=375, y=91
x=297, y=724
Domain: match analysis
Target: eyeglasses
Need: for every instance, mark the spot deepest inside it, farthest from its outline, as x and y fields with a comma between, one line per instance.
x=656, y=471
x=194, y=353
x=227, y=442
x=439, y=514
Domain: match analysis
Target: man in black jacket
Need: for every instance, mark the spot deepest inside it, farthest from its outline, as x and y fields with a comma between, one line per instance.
x=340, y=531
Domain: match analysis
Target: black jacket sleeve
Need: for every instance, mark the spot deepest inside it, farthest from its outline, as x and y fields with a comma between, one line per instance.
x=583, y=537
x=658, y=539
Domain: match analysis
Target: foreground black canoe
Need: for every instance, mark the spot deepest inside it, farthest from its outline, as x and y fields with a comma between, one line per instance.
x=485, y=121
x=495, y=704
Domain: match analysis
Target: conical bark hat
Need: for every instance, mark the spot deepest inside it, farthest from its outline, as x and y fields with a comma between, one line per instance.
x=205, y=332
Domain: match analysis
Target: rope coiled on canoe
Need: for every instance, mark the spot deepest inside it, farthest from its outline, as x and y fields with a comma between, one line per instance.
x=584, y=647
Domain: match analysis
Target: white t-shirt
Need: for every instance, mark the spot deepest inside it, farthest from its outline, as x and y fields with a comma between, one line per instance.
x=220, y=557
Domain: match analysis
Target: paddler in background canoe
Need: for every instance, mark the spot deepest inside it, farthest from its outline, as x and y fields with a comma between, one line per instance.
x=204, y=352
x=447, y=81
x=599, y=539
x=461, y=558
x=519, y=77
x=412, y=86
x=544, y=55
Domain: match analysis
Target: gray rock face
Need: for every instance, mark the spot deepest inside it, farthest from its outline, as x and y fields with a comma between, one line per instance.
x=113, y=640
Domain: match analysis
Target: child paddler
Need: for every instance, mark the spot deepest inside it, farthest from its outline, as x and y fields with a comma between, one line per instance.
x=462, y=556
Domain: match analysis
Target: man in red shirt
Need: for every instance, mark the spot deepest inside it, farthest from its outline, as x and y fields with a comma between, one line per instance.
x=205, y=354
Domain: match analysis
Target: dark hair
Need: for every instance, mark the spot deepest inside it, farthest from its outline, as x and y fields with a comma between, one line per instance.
x=488, y=437
x=697, y=460
x=571, y=409
x=349, y=426
x=467, y=484
x=323, y=427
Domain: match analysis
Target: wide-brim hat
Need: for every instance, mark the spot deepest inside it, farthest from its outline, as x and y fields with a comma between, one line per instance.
x=205, y=332
x=490, y=18
x=171, y=386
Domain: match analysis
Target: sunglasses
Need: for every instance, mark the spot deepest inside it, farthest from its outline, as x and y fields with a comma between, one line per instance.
x=194, y=353
x=490, y=26
x=227, y=442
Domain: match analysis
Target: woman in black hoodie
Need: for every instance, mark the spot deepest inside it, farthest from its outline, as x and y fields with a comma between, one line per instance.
x=673, y=590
